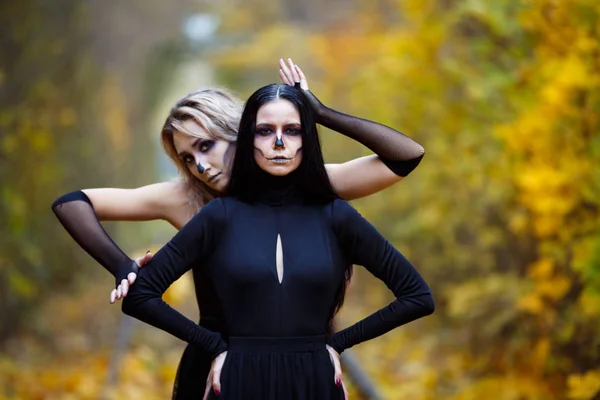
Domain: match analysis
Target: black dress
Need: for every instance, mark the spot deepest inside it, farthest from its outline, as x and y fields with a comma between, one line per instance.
x=276, y=330
x=195, y=363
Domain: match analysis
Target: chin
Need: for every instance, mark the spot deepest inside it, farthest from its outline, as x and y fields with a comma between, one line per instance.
x=280, y=171
x=220, y=186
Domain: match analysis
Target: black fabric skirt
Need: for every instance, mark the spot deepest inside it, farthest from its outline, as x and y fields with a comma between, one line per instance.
x=190, y=381
x=278, y=369
x=192, y=372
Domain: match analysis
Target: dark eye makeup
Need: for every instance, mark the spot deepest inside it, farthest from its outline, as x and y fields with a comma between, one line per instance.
x=188, y=159
x=266, y=130
x=263, y=131
x=203, y=146
x=206, y=145
x=292, y=131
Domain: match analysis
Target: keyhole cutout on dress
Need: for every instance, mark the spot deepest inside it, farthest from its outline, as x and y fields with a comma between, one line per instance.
x=279, y=259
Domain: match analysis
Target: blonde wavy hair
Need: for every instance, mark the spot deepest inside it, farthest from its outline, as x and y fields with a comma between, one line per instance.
x=218, y=112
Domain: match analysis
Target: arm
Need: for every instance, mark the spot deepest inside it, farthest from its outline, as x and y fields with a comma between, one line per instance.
x=365, y=246
x=192, y=244
x=79, y=214
x=360, y=177
x=397, y=152
x=166, y=200
x=75, y=212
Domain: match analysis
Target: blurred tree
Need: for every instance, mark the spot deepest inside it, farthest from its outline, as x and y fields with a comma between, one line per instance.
x=72, y=115
x=503, y=214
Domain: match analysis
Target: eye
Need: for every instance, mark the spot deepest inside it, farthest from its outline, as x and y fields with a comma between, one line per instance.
x=263, y=131
x=206, y=145
x=188, y=159
x=292, y=131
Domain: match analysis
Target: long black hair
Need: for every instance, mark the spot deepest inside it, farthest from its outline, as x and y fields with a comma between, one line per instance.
x=310, y=177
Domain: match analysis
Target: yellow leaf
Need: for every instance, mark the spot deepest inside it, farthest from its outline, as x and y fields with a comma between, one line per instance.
x=584, y=386
x=541, y=269
x=531, y=303
x=589, y=304
x=554, y=289
x=540, y=354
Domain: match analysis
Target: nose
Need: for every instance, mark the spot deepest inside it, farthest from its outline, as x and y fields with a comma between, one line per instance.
x=279, y=142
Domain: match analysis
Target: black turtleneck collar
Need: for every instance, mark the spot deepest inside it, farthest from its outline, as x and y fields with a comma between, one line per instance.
x=277, y=190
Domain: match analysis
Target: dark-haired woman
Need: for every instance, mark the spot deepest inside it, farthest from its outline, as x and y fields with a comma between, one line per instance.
x=278, y=250
x=199, y=135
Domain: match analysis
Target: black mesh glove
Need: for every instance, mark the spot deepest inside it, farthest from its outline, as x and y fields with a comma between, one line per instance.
x=76, y=213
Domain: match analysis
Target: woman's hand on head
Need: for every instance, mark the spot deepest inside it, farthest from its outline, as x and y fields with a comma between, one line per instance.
x=290, y=73
x=123, y=288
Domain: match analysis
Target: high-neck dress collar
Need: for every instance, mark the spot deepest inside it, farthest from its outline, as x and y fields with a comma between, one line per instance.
x=278, y=190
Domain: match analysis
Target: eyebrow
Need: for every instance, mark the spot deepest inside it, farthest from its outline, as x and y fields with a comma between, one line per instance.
x=287, y=124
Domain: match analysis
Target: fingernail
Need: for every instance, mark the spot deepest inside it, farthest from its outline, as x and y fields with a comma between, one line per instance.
x=338, y=382
x=147, y=251
x=217, y=392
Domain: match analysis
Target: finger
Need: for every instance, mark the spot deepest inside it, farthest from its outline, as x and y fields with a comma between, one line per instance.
x=216, y=381
x=303, y=81
x=131, y=277
x=140, y=261
x=337, y=366
x=295, y=75
x=207, y=386
x=284, y=78
x=147, y=257
x=216, y=370
x=113, y=296
x=286, y=71
x=337, y=371
x=345, y=391
x=119, y=292
x=124, y=287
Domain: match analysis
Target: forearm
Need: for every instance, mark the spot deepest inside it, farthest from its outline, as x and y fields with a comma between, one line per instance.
x=399, y=312
x=190, y=246
x=365, y=246
x=151, y=309
x=400, y=153
x=76, y=213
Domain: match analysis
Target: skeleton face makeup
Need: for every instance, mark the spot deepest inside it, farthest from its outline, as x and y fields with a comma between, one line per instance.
x=278, y=138
x=208, y=159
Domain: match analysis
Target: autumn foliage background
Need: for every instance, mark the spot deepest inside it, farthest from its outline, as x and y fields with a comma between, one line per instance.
x=502, y=216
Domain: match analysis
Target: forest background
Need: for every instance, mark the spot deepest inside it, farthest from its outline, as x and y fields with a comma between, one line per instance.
x=501, y=217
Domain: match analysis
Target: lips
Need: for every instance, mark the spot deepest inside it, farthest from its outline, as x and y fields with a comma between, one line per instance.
x=279, y=159
x=213, y=178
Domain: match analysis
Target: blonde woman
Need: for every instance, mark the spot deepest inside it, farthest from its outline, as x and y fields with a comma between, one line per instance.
x=199, y=135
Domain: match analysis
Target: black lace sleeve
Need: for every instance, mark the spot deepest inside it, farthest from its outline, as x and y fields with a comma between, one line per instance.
x=400, y=153
x=76, y=213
